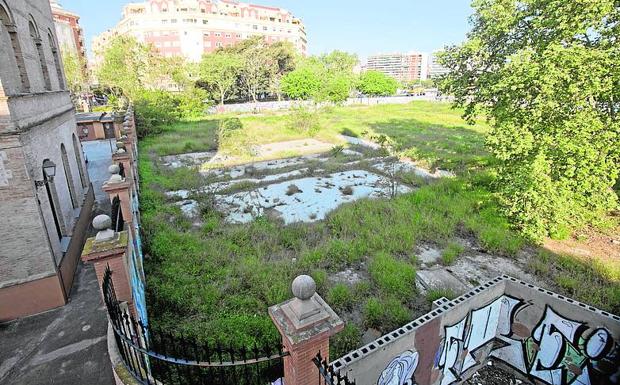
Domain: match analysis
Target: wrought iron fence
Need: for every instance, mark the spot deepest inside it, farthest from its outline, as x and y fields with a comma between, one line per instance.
x=152, y=356
x=327, y=375
x=118, y=222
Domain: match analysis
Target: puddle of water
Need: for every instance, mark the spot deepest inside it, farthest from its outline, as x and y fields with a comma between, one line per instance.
x=360, y=142
x=311, y=200
x=401, y=166
x=248, y=169
x=189, y=159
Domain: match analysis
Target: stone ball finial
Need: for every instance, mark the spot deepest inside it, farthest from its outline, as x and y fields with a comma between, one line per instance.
x=120, y=145
x=114, y=169
x=102, y=222
x=126, y=123
x=115, y=179
x=303, y=287
x=121, y=151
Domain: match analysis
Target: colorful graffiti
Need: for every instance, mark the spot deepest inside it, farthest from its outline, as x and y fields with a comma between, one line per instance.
x=400, y=370
x=556, y=351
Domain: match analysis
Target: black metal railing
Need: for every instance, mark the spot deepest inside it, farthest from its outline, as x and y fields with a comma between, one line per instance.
x=152, y=356
x=327, y=375
x=118, y=222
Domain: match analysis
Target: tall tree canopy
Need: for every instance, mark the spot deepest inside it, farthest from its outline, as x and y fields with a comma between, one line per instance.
x=546, y=74
x=129, y=66
x=219, y=72
x=377, y=83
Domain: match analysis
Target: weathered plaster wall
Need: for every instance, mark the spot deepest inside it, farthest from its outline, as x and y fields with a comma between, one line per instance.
x=541, y=336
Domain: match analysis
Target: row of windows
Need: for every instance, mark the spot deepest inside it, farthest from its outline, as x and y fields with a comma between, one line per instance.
x=10, y=36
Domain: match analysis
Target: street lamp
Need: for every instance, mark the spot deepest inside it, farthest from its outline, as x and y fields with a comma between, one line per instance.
x=49, y=169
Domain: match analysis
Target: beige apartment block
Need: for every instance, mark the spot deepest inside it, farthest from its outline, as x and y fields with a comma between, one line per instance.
x=191, y=28
x=43, y=215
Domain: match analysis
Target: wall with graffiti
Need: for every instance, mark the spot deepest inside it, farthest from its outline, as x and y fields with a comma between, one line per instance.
x=542, y=337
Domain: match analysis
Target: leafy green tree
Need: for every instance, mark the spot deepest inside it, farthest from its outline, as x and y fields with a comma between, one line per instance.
x=129, y=67
x=339, y=62
x=546, y=74
x=302, y=83
x=75, y=74
x=283, y=55
x=336, y=88
x=376, y=83
x=220, y=71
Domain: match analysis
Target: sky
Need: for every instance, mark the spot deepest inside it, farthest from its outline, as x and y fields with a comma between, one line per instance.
x=363, y=27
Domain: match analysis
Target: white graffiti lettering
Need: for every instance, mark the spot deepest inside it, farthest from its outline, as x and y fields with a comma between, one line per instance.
x=400, y=370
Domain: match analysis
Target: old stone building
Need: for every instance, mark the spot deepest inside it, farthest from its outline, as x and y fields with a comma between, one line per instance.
x=45, y=194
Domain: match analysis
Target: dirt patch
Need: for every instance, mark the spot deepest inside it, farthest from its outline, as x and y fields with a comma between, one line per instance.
x=589, y=244
x=494, y=375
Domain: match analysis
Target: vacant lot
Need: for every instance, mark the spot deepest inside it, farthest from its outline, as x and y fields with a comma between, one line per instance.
x=213, y=276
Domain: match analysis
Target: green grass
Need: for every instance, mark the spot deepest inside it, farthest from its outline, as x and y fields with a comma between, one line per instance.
x=590, y=281
x=217, y=281
x=451, y=253
x=431, y=133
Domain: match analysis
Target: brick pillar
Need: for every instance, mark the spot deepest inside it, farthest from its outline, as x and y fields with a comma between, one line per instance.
x=125, y=158
x=109, y=248
x=306, y=323
x=121, y=187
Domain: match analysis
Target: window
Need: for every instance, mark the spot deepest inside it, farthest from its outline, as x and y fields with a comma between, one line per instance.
x=228, y=36
x=78, y=159
x=205, y=21
x=238, y=36
x=6, y=24
x=206, y=34
x=36, y=40
x=68, y=176
x=218, y=34
x=265, y=28
x=164, y=21
x=218, y=44
x=61, y=79
x=173, y=21
x=255, y=26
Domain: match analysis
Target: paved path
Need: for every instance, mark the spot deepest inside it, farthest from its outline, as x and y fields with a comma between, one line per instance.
x=65, y=346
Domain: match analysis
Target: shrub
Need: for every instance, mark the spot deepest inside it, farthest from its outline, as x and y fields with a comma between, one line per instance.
x=155, y=109
x=192, y=103
x=304, y=121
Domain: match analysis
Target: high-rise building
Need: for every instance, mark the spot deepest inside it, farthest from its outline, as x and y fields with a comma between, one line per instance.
x=190, y=28
x=68, y=30
x=435, y=69
x=45, y=194
x=404, y=67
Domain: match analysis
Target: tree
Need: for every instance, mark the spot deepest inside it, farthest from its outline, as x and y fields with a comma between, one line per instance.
x=546, y=75
x=283, y=55
x=257, y=70
x=219, y=71
x=128, y=67
x=376, y=83
x=336, y=88
x=74, y=71
x=302, y=83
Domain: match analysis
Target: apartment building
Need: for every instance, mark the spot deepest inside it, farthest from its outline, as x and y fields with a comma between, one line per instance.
x=435, y=69
x=45, y=193
x=404, y=67
x=190, y=28
x=68, y=30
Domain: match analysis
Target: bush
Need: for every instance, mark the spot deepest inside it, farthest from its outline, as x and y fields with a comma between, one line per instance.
x=376, y=83
x=304, y=121
x=192, y=103
x=155, y=109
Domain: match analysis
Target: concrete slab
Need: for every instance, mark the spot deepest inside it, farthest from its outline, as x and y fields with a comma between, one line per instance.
x=63, y=346
x=439, y=278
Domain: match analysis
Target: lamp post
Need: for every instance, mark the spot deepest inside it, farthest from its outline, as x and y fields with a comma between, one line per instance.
x=49, y=169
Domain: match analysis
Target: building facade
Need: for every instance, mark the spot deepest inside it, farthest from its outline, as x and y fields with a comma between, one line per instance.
x=190, y=28
x=435, y=69
x=45, y=194
x=70, y=34
x=404, y=67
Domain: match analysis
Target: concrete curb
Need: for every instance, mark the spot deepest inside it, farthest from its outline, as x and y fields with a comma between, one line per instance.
x=121, y=374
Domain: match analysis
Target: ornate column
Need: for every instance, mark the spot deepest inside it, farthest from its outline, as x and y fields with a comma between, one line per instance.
x=306, y=323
